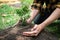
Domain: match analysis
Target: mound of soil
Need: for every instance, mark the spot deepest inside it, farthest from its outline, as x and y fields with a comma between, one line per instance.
x=15, y=33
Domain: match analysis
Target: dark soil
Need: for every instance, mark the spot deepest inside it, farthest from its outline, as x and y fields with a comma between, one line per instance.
x=15, y=33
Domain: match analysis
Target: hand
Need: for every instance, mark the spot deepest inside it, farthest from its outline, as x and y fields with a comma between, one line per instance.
x=29, y=21
x=34, y=31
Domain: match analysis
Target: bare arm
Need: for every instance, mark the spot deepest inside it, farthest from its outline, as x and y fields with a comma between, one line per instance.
x=35, y=9
x=55, y=15
x=33, y=13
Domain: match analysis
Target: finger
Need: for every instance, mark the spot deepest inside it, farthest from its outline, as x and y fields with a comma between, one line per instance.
x=34, y=28
x=29, y=33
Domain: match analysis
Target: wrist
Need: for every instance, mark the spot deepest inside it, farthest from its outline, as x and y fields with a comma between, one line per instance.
x=42, y=25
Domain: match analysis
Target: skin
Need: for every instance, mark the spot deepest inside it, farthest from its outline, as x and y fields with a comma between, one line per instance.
x=38, y=28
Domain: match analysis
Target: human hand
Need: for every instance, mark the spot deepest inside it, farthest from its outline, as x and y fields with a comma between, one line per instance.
x=29, y=20
x=34, y=31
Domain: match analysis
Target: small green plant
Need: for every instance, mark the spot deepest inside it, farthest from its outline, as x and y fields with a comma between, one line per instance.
x=23, y=12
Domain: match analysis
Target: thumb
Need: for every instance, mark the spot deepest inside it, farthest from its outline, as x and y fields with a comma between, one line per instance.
x=34, y=28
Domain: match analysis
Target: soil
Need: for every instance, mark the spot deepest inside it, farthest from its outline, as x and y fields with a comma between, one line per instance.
x=15, y=33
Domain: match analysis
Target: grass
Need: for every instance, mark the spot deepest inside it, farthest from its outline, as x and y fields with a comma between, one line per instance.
x=54, y=28
x=8, y=16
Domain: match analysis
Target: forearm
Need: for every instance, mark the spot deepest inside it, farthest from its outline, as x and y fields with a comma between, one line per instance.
x=55, y=15
x=33, y=14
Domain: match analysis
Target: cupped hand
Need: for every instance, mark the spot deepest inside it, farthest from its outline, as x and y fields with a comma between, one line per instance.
x=34, y=31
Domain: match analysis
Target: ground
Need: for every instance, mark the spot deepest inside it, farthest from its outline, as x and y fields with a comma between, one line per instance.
x=15, y=33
